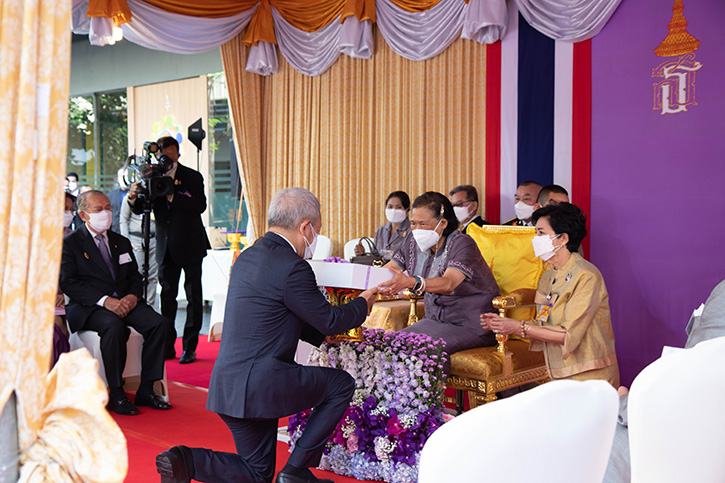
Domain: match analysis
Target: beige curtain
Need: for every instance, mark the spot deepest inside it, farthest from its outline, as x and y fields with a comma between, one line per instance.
x=60, y=415
x=35, y=61
x=359, y=131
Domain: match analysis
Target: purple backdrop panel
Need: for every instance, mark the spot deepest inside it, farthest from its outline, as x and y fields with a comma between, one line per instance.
x=658, y=181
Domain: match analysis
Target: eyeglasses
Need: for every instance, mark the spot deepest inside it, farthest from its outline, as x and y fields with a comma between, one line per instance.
x=462, y=203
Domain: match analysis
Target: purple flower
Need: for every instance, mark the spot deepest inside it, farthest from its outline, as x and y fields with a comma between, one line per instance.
x=394, y=426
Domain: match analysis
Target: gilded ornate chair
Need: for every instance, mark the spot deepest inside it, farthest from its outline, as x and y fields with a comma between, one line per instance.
x=484, y=371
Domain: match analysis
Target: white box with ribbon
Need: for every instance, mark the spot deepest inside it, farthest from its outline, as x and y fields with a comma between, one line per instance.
x=348, y=275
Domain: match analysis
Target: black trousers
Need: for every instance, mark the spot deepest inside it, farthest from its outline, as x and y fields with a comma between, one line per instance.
x=169, y=274
x=256, y=439
x=114, y=332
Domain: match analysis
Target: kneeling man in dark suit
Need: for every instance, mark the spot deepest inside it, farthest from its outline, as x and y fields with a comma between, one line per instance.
x=273, y=301
x=99, y=273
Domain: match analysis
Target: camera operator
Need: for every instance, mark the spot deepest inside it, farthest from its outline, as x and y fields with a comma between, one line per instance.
x=181, y=243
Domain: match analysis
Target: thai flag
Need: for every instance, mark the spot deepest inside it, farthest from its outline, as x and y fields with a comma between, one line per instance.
x=538, y=116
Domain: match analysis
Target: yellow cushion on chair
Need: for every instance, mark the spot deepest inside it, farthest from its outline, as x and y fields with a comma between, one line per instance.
x=479, y=363
x=510, y=255
x=482, y=362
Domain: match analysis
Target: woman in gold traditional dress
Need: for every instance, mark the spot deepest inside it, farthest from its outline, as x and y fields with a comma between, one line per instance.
x=572, y=325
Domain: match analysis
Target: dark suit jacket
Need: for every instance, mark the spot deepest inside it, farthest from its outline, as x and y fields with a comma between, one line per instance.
x=272, y=302
x=179, y=228
x=476, y=221
x=514, y=222
x=84, y=276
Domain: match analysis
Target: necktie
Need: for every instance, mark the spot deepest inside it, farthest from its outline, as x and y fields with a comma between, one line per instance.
x=105, y=254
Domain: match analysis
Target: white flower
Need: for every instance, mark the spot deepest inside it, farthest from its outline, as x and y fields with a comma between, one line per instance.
x=383, y=448
x=407, y=420
x=380, y=410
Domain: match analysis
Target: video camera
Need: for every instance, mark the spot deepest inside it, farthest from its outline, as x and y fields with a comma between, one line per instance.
x=151, y=170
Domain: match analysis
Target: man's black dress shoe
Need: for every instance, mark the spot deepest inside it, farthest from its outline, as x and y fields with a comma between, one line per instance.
x=122, y=406
x=152, y=401
x=283, y=477
x=175, y=465
x=187, y=357
x=170, y=355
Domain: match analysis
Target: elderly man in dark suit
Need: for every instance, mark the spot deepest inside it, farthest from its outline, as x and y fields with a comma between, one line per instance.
x=272, y=303
x=99, y=274
x=181, y=244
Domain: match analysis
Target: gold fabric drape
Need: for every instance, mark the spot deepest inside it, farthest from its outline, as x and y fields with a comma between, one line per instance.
x=416, y=5
x=114, y=9
x=35, y=63
x=78, y=440
x=362, y=129
x=309, y=16
x=361, y=9
x=59, y=416
x=261, y=26
x=195, y=8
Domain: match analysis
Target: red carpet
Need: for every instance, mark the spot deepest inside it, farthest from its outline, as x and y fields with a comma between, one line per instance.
x=198, y=373
x=188, y=423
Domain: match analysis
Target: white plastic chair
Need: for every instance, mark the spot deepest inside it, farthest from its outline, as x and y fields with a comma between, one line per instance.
x=323, y=248
x=559, y=432
x=216, y=323
x=676, y=418
x=348, y=250
x=132, y=371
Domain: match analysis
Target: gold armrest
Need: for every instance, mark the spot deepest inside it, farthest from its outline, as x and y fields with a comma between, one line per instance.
x=516, y=298
x=413, y=316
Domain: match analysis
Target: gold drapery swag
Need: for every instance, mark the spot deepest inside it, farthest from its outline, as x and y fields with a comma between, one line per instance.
x=359, y=131
x=309, y=16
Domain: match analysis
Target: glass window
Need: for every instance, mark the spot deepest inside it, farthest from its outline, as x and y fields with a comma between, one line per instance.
x=224, y=181
x=97, y=120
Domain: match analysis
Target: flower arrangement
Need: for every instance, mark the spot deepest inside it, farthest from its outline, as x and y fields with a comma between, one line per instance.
x=396, y=406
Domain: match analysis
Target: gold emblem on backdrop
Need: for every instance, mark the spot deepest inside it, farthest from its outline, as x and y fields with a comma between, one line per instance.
x=675, y=88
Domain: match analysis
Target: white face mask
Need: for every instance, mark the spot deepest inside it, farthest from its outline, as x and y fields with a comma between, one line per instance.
x=100, y=222
x=72, y=185
x=67, y=218
x=310, y=246
x=523, y=211
x=544, y=246
x=462, y=213
x=395, y=216
x=426, y=238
